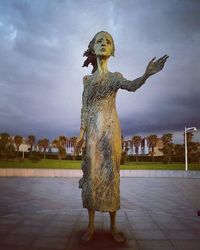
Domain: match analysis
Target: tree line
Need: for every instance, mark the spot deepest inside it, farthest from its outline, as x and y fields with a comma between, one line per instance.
x=171, y=151
x=9, y=146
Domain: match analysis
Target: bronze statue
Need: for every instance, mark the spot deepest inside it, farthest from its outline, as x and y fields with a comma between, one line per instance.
x=100, y=124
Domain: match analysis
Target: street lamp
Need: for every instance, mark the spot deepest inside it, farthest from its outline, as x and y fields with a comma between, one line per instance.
x=192, y=129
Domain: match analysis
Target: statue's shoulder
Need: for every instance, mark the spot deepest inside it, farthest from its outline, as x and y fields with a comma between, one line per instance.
x=86, y=79
x=118, y=75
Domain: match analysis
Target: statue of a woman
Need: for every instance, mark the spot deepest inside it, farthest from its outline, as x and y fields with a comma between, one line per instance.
x=100, y=124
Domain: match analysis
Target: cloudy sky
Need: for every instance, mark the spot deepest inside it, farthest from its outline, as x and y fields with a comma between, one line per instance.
x=41, y=57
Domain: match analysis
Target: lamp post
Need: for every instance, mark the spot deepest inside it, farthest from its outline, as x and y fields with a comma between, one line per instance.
x=192, y=129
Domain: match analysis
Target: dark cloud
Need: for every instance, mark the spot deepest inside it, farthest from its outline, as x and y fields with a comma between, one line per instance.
x=41, y=49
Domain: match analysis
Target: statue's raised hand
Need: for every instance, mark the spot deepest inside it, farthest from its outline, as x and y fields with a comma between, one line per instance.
x=154, y=67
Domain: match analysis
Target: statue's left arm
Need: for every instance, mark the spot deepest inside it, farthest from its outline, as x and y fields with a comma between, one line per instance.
x=153, y=67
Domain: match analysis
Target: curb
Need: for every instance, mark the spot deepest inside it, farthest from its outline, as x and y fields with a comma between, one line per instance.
x=8, y=172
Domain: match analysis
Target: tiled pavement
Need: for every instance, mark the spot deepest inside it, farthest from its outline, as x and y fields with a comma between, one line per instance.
x=47, y=214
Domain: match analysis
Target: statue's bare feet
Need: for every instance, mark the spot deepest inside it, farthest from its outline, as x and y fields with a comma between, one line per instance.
x=88, y=234
x=118, y=237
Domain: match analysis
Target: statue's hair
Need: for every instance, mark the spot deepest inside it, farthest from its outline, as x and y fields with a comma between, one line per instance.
x=89, y=53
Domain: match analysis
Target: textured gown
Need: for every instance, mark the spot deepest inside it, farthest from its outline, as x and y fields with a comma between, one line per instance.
x=101, y=162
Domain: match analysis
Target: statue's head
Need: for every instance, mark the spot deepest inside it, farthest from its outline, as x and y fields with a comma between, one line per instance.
x=102, y=44
x=98, y=39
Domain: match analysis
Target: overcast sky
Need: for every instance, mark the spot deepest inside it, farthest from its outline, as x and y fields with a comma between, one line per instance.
x=41, y=56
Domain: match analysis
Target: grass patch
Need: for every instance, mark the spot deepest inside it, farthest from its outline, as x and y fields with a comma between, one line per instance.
x=50, y=164
x=70, y=164
x=159, y=166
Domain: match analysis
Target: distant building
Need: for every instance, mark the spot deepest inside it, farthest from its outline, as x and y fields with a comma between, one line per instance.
x=143, y=148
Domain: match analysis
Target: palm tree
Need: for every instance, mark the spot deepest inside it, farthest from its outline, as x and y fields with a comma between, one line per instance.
x=63, y=141
x=179, y=152
x=152, y=141
x=136, y=142
x=31, y=141
x=4, y=137
x=44, y=144
x=6, y=146
x=4, y=141
x=60, y=143
x=122, y=140
x=167, y=138
x=18, y=139
x=168, y=147
x=189, y=136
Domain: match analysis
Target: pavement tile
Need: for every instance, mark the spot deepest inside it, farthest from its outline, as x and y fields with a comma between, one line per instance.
x=148, y=235
x=172, y=226
x=4, y=229
x=186, y=245
x=197, y=232
x=32, y=222
x=56, y=232
x=193, y=225
x=145, y=226
x=44, y=217
x=131, y=244
x=26, y=231
x=60, y=224
x=140, y=219
x=181, y=235
x=121, y=219
x=9, y=221
x=65, y=217
x=165, y=218
x=3, y=247
x=123, y=228
x=57, y=243
x=155, y=245
x=17, y=240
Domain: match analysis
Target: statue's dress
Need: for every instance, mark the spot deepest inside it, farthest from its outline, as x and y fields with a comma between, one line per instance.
x=101, y=162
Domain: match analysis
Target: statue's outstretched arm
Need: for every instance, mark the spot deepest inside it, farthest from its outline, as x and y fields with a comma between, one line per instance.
x=153, y=67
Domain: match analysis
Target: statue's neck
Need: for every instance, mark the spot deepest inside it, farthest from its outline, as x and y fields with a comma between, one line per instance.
x=102, y=65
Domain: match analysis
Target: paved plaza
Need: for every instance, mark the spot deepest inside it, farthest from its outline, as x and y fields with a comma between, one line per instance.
x=47, y=214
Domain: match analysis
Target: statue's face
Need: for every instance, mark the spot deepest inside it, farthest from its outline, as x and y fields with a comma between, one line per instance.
x=103, y=45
